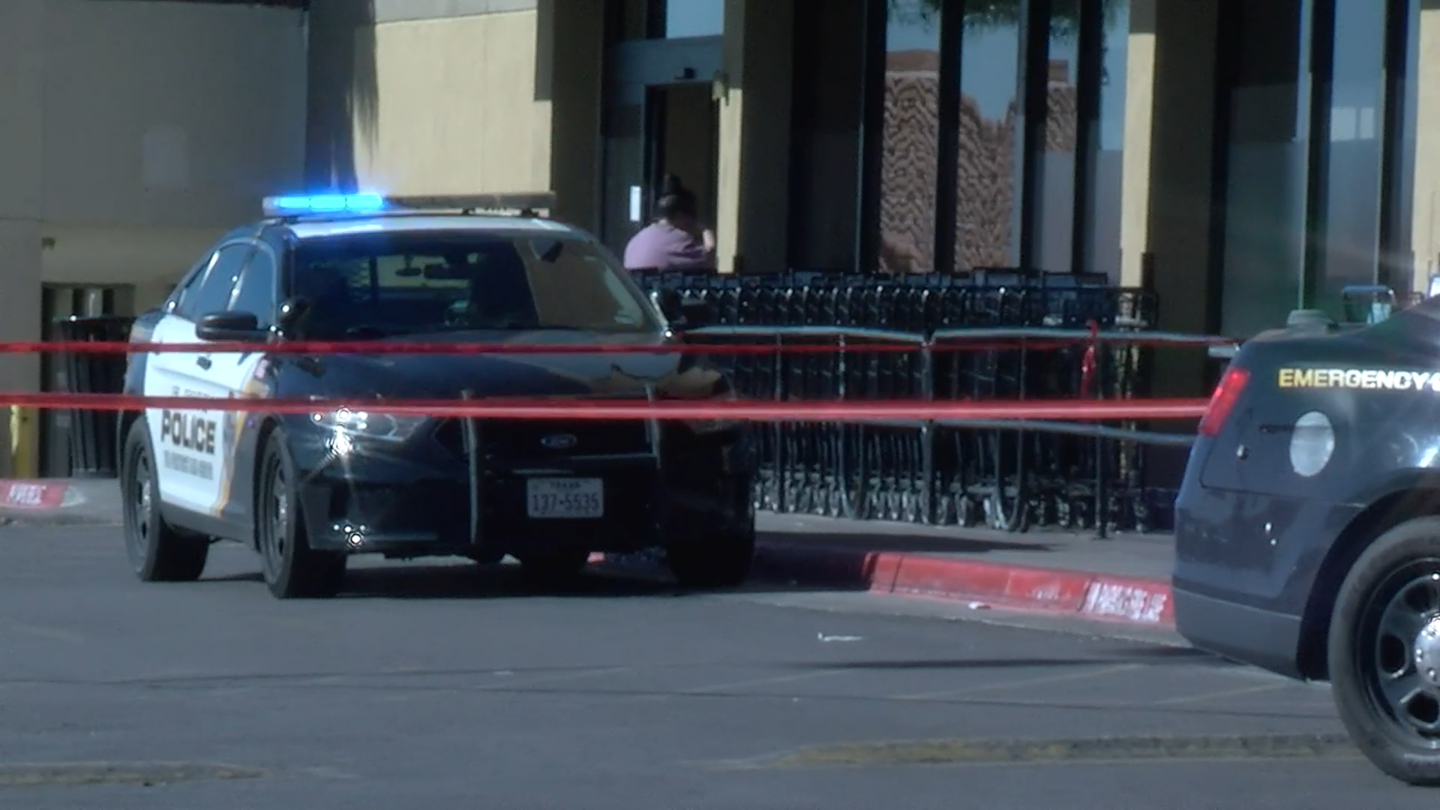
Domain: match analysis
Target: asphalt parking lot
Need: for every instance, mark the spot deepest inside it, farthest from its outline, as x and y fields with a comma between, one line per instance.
x=449, y=686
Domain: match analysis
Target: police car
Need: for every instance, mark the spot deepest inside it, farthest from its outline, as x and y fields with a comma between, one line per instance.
x=307, y=491
x=1308, y=524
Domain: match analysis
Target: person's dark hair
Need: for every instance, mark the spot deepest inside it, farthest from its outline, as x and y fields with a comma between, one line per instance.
x=675, y=199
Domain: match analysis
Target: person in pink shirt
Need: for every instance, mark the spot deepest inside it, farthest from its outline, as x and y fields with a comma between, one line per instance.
x=675, y=240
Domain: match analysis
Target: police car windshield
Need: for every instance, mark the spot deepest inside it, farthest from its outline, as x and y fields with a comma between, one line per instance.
x=389, y=285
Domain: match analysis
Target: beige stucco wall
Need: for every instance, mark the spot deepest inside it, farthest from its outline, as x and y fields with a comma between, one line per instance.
x=455, y=108
x=1178, y=186
x=160, y=128
x=133, y=134
x=752, y=199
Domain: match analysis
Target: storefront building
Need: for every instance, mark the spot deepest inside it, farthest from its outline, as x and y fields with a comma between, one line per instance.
x=1242, y=158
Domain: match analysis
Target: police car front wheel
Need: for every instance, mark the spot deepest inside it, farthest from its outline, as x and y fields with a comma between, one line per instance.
x=1384, y=652
x=292, y=569
x=158, y=552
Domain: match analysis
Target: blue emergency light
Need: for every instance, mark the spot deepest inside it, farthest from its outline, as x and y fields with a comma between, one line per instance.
x=323, y=204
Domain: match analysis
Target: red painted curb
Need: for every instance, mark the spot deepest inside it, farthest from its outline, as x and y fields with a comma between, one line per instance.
x=1131, y=600
x=33, y=495
x=1088, y=595
x=1135, y=601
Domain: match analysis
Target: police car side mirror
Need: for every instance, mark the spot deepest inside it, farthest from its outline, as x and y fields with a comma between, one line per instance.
x=230, y=326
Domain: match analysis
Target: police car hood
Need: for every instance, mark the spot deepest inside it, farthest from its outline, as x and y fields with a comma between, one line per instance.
x=531, y=373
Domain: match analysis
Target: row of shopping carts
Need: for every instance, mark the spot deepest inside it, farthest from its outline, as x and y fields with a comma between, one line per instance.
x=910, y=338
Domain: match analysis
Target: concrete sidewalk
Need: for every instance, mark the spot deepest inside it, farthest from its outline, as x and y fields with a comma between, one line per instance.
x=1122, y=579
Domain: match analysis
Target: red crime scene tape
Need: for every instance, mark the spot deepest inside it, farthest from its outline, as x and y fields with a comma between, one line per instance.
x=321, y=347
x=616, y=409
x=825, y=345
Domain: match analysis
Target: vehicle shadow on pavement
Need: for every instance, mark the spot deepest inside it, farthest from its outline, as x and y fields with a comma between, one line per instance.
x=440, y=581
x=901, y=542
x=461, y=581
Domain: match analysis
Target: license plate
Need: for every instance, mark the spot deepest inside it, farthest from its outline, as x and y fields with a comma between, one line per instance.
x=562, y=498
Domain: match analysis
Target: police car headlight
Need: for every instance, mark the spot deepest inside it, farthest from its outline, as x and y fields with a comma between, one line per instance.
x=369, y=425
x=1311, y=444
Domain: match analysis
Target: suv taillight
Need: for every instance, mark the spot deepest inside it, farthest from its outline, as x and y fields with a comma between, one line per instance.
x=1227, y=393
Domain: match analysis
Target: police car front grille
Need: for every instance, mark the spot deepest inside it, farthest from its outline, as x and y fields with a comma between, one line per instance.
x=537, y=440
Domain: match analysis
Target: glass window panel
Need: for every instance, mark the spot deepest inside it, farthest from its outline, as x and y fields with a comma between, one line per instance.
x=911, y=129
x=626, y=208
x=255, y=290
x=1108, y=180
x=1406, y=272
x=1352, y=199
x=826, y=122
x=1267, y=164
x=694, y=18
x=671, y=19
x=991, y=139
x=1057, y=202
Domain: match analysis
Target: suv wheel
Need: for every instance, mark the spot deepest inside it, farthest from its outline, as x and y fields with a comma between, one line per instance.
x=1384, y=652
x=157, y=551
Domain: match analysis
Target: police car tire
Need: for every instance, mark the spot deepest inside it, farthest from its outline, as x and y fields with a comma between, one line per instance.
x=303, y=573
x=169, y=554
x=1367, y=723
x=553, y=566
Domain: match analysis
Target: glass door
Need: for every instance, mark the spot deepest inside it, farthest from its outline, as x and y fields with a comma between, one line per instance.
x=625, y=207
x=658, y=96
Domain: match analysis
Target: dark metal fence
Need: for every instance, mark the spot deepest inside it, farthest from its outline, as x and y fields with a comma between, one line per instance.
x=929, y=471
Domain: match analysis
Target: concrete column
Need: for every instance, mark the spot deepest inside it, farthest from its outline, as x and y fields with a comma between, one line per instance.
x=341, y=91
x=754, y=167
x=570, y=60
x=1425, y=229
x=1178, y=229
x=1139, y=124
x=22, y=67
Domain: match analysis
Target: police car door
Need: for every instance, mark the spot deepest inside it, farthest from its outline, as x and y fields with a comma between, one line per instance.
x=187, y=442
x=239, y=375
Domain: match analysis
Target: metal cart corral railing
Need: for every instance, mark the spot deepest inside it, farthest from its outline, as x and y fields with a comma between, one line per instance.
x=990, y=336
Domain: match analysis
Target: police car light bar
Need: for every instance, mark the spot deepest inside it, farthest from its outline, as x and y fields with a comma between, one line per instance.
x=525, y=204
x=323, y=204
